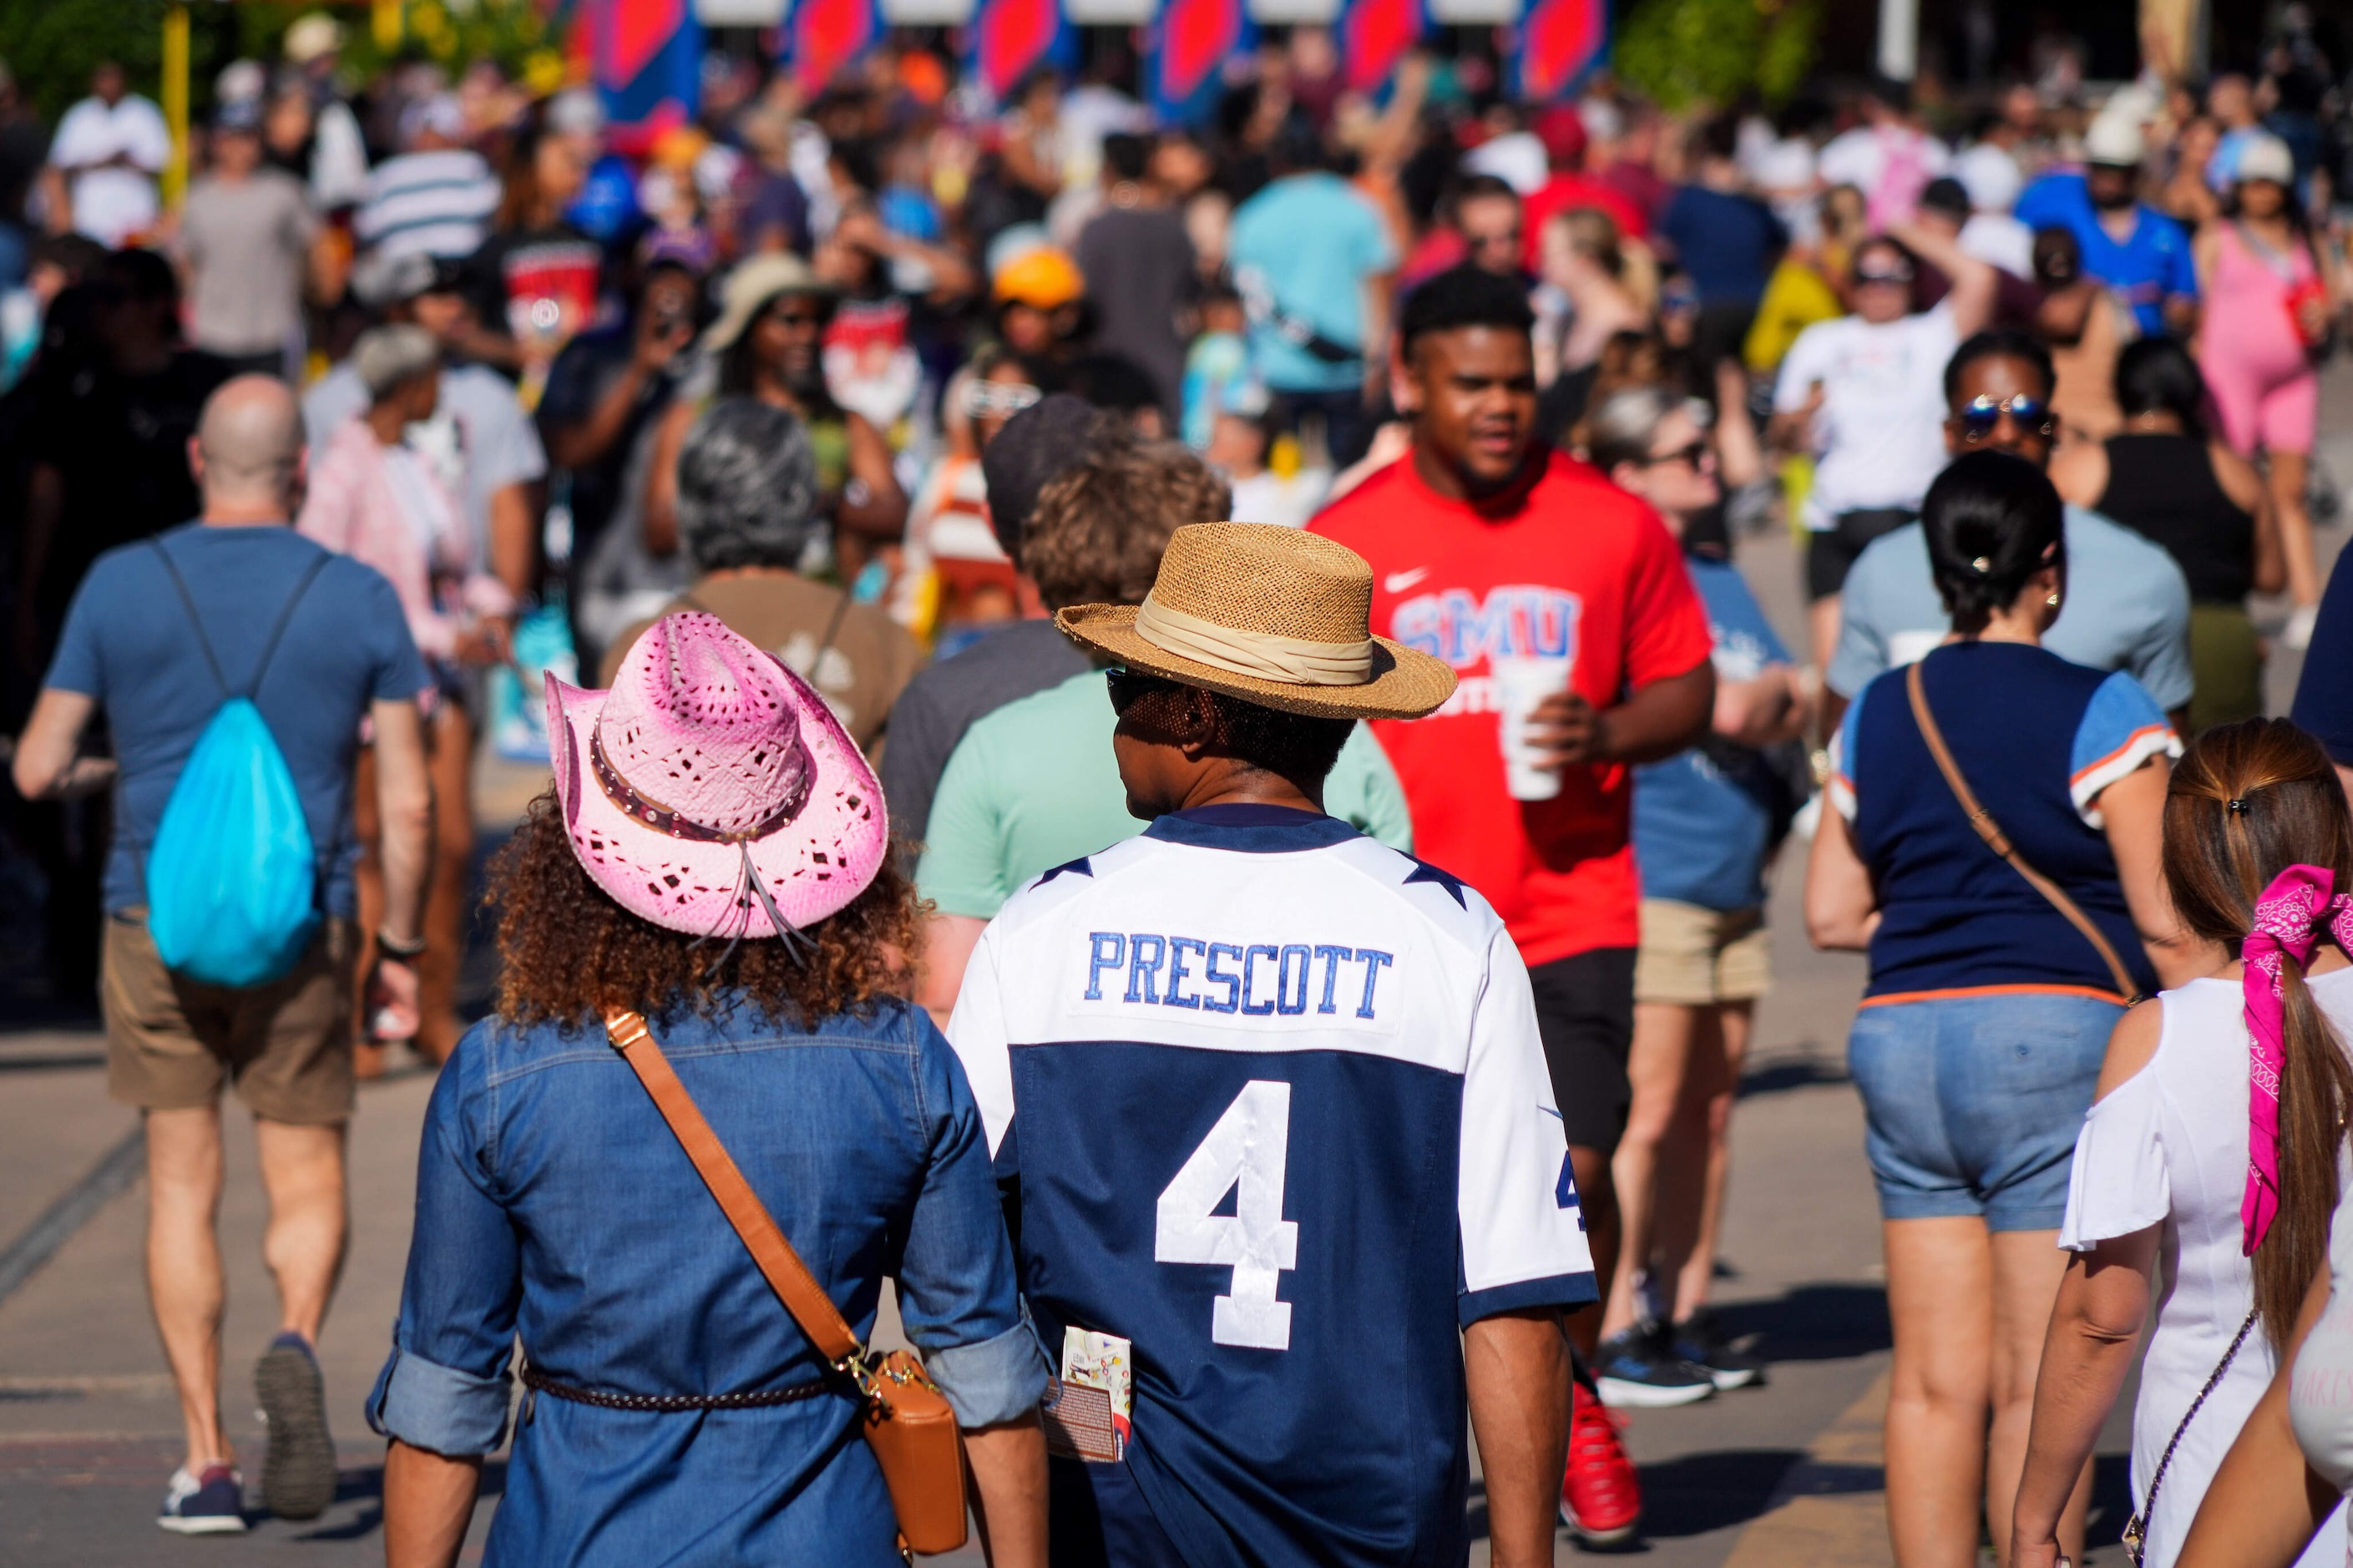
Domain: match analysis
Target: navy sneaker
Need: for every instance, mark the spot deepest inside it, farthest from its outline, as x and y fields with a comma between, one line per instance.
x=1700, y=1340
x=209, y=1504
x=298, y=1474
x=1636, y=1369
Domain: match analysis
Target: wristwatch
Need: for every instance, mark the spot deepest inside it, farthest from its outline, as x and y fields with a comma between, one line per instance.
x=389, y=946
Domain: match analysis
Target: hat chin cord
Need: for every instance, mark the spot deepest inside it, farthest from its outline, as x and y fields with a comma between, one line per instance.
x=749, y=879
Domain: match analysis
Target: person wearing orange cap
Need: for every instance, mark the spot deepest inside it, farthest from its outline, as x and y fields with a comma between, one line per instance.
x=1041, y=302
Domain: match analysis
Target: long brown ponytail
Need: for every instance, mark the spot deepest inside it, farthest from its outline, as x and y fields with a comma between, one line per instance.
x=2248, y=801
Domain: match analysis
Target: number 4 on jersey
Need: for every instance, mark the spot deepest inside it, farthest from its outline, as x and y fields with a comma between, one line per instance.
x=1247, y=1150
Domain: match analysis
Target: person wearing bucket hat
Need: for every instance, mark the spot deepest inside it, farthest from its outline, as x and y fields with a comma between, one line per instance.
x=712, y=854
x=2270, y=314
x=768, y=343
x=1253, y=997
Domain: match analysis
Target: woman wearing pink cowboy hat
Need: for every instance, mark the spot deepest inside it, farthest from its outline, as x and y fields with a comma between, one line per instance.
x=713, y=856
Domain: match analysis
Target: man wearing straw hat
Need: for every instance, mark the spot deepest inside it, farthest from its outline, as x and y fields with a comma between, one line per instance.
x=1270, y=1104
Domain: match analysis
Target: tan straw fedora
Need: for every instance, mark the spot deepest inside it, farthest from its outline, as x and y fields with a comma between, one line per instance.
x=1274, y=616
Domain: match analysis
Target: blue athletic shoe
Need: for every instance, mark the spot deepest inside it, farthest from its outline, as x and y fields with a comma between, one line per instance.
x=209, y=1504
x=298, y=1474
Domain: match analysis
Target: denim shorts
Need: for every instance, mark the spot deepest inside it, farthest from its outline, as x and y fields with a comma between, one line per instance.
x=1974, y=1102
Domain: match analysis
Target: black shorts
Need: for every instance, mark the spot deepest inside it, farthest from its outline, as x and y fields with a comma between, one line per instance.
x=1585, y=1015
x=1831, y=552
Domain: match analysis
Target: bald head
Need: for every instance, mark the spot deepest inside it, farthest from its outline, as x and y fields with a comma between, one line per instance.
x=248, y=449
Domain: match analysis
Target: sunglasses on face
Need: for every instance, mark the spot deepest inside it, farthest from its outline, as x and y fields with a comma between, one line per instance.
x=983, y=398
x=1894, y=274
x=1510, y=236
x=1980, y=416
x=1696, y=455
x=1129, y=686
x=798, y=315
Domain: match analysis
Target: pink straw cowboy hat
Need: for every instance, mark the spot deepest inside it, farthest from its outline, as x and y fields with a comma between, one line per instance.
x=711, y=790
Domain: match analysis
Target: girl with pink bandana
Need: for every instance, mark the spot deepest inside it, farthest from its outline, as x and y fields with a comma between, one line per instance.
x=2212, y=1149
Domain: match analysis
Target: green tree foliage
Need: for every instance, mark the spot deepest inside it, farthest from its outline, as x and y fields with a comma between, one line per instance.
x=52, y=45
x=1686, y=53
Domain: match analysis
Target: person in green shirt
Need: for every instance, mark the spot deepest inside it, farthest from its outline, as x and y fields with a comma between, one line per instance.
x=1034, y=785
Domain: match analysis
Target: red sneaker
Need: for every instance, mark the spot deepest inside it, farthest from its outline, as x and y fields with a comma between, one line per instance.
x=1601, y=1499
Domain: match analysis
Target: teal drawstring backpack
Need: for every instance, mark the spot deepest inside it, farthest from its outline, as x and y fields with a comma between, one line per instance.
x=232, y=874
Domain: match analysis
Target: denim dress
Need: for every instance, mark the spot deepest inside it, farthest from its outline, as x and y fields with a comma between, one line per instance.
x=553, y=1205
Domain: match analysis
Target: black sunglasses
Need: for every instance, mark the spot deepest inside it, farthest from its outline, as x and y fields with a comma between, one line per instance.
x=1129, y=686
x=1980, y=416
x=1695, y=453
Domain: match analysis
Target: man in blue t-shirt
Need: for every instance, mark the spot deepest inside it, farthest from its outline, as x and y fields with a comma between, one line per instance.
x=1313, y=263
x=1725, y=239
x=2136, y=249
x=160, y=635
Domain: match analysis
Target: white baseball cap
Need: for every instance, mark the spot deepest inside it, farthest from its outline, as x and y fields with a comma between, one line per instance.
x=2264, y=158
x=2115, y=141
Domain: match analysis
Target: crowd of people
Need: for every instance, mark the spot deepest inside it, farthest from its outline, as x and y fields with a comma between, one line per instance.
x=969, y=549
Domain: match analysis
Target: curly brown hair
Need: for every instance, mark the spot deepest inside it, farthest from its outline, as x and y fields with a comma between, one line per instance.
x=1098, y=531
x=568, y=953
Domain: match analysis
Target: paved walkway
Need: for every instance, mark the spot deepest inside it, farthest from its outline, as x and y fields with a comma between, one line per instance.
x=1783, y=1476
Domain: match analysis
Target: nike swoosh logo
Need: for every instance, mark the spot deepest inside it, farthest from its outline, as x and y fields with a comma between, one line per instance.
x=1398, y=582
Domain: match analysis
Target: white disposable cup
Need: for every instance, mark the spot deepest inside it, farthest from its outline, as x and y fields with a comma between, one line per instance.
x=1521, y=683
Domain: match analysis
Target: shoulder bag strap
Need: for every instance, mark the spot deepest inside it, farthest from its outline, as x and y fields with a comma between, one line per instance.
x=786, y=1275
x=832, y=630
x=2136, y=1532
x=1998, y=842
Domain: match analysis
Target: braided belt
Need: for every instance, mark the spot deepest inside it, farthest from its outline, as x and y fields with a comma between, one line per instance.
x=668, y=1404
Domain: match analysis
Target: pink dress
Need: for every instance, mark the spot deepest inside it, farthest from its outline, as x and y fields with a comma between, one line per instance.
x=2264, y=387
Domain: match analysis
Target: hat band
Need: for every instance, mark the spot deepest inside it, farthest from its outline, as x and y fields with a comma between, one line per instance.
x=664, y=820
x=1297, y=661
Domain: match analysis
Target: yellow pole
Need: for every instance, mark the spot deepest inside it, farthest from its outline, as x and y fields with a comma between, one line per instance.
x=175, y=101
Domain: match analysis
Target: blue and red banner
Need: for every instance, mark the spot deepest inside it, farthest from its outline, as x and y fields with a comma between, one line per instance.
x=824, y=37
x=1373, y=37
x=645, y=58
x=1185, y=62
x=1010, y=38
x=1556, y=43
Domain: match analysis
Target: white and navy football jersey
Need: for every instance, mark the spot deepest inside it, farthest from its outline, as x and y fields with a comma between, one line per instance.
x=1274, y=1101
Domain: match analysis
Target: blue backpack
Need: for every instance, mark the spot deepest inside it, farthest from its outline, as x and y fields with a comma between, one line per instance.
x=232, y=875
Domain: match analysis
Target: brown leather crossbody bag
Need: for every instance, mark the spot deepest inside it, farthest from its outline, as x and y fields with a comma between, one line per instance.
x=1998, y=842
x=908, y=1422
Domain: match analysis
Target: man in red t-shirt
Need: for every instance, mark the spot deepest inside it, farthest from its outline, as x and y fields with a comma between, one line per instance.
x=1558, y=596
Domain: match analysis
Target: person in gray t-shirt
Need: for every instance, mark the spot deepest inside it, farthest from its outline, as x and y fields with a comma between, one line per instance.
x=2127, y=606
x=245, y=237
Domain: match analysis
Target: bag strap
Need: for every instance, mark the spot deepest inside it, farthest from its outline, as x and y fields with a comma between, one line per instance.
x=786, y=1275
x=188, y=603
x=277, y=633
x=286, y=618
x=2137, y=1527
x=1998, y=842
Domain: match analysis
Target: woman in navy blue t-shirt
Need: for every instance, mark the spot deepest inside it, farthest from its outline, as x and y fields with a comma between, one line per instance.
x=1980, y=1038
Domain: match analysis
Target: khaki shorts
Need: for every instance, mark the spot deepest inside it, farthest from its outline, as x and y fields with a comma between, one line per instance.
x=1692, y=957
x=171, y=1042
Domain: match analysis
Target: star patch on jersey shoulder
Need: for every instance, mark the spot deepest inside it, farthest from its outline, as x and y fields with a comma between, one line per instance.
x=1078, y=867
x=1423, y=871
